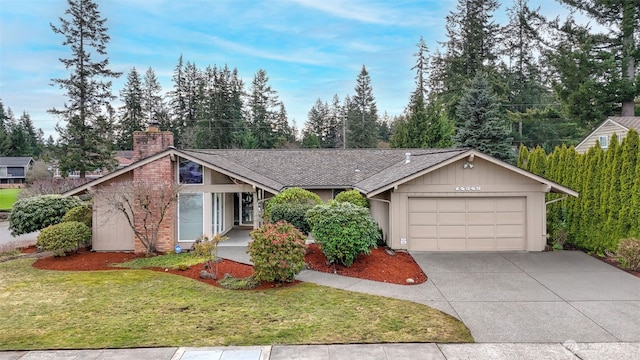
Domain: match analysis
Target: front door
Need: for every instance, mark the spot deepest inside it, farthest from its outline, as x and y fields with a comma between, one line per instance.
x=245, y=208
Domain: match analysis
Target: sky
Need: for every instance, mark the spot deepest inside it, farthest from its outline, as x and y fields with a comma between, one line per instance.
x=310, y=49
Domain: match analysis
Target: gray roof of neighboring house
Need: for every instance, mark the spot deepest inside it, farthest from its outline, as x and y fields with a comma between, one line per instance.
x=15, y=161
x=366, y=169
x=630, y=122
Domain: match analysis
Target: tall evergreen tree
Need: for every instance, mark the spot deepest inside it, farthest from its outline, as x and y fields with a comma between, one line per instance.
x=153, y=106
x=87, y=88
x=131, y=113
x=263, y=108
x=362, y=114
x=484, y=127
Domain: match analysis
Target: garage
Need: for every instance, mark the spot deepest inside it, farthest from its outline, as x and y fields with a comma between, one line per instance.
x=467, y=224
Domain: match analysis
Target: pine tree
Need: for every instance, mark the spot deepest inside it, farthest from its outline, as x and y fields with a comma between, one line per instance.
x=263, y=107
x=88, y=89
x=362, y=114
x=131, y=113
x=484, y=127
x=153, y=107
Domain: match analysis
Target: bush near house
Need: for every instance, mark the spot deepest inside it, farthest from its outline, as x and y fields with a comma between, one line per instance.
x=294, y=214
x=291, y=196
x=277, y=252
x=82, y=213
x=38, y=212
x=343, y=230
x=63, y=237
x=352, y=196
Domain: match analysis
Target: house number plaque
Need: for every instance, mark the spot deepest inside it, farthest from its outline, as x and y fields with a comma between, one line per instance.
x=468, y=188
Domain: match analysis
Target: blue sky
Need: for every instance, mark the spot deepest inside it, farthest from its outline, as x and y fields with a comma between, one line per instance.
x=310, y=48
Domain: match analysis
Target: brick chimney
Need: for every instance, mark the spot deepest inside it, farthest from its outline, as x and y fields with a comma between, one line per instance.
x=150, y=142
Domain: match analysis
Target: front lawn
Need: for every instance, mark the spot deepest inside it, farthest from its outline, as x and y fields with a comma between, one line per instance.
x=142, y=308
x=7, y=198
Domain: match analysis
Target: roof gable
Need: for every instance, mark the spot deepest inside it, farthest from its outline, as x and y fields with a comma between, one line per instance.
x=15, y=161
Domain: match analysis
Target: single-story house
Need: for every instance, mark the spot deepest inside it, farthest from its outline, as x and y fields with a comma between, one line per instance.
x=422, y=199
x=615, y=125
x=13, y=170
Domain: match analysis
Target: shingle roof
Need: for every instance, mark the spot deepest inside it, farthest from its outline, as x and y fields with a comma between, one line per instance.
x=630, y=122
x=367, y=169
x=15, y=161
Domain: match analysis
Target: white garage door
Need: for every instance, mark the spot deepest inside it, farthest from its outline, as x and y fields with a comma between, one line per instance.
x=467, y=224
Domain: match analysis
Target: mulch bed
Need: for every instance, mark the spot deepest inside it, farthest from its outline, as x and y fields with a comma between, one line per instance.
x=377, y=266
x=614, y=262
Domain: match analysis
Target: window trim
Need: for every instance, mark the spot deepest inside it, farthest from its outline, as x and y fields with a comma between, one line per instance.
x=202, y=167
x=603, y=144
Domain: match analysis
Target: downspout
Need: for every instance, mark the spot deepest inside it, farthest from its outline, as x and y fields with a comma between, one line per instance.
x=556, y=200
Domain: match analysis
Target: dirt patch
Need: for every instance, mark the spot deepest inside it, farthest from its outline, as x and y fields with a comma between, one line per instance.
x=611, y=260
x=29, y=249
x=377, y=266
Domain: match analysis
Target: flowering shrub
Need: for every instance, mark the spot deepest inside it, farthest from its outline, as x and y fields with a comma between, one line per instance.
x=277, y=252
x=343, y=230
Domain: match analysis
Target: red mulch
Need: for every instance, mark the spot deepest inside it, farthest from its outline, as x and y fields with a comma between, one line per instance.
x=29, y=250
x=377, y=266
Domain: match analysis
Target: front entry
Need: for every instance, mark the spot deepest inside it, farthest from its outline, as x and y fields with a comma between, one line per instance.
x=244, y=209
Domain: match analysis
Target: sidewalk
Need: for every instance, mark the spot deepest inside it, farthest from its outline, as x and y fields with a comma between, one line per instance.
x=551, y=351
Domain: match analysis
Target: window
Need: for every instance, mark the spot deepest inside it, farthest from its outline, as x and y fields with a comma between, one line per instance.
x=604, y=141
x=190, y=216
x=217, y=213
x=189, y=172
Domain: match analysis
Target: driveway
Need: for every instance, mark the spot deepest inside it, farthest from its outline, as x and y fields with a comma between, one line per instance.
x=7, y=241
x=564, y=296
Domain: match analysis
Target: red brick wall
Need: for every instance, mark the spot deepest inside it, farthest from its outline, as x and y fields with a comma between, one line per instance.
x=146, y=144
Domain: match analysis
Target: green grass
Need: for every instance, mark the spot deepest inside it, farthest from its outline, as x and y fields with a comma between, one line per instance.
x=142, y=308
x=7, y=198
x=168, y=261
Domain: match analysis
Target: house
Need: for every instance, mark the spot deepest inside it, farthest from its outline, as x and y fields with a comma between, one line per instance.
x=122, y=158
x=422, y=199
x=618, y=125
x=13, y=170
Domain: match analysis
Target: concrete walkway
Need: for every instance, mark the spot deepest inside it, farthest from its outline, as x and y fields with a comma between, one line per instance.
x=551, y=351
x=9, y=242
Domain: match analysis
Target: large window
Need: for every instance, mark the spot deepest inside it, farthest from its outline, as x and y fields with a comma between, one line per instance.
x=189, y=172
x=190, y=216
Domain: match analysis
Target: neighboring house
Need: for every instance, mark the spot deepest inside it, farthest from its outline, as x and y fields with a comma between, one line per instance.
x=123, y=158
x=13, y=170
x=618, y=126
x=422, y=199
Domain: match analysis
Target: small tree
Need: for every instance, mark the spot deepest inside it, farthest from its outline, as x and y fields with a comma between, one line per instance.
x=144, y=204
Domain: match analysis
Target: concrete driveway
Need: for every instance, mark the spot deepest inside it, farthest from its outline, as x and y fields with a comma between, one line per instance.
x=564, y=296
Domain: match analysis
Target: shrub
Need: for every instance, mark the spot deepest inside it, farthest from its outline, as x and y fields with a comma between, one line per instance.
x=38, y=212
x=343, y=231
x=206, y=246
x=277, y=252
x=294, y=214
x=292, y=196
x=352, y=196
x=82, y=213
x=629, y=253
x=63, y=237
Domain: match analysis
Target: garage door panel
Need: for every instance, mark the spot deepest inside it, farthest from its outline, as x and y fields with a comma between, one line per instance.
x=482, y=244
x=480, y=205
x=452, y=205
x=423, y=205
x=481, y=218
x=481, y=231
x=467, y=224
x=451, y=231
x=510, y=218
x=509, y=230
x=422, y=231
x=452, y=244
x=451, y=219
x=423, y=218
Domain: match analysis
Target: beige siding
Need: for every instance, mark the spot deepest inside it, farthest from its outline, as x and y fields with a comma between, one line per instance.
x=325, y=194
x=380, y=207
x=463, y=187
x=606, y=129
x=111, y=231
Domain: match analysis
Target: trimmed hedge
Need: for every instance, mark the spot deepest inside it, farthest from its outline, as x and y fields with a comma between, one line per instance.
x=291, y=196
x=63, y=237
x=82, y=213
x=294, y=214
